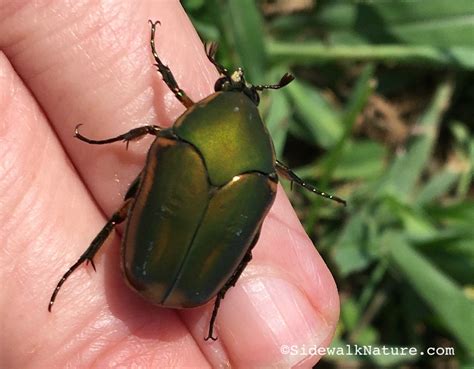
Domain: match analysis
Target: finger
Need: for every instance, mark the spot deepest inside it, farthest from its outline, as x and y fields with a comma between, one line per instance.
x=47, y=77
x=92, y=65
x=106, y=160
x=46, y=214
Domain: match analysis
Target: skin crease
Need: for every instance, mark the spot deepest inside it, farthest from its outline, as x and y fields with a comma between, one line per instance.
x=64, y=63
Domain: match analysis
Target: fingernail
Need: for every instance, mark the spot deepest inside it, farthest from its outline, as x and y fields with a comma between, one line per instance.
x=280, y=315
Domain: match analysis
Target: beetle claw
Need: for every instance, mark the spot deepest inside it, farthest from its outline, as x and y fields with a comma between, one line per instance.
x=210, y=337
x=76, y=130
x=154, y=23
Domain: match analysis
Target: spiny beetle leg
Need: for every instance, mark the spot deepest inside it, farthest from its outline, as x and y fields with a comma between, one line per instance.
x=133, y=188
x=126, y=137
x=217, y=303
x=211, y=49
x=287, y=173
x=230, y=283
x=166, y=73
x=95, y=245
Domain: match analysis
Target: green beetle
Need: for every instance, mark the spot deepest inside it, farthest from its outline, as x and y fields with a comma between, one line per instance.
x=213, y=175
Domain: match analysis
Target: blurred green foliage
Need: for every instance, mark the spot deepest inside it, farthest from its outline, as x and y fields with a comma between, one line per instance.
x=382, y=114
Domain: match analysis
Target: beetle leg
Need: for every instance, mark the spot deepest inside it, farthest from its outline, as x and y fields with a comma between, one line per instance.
x=230, y=283
x=95, y=245
x=133, y=188
x=126, y=137
x=286, y=172
x=211, y=49
x=166, y=73
x=217, y=303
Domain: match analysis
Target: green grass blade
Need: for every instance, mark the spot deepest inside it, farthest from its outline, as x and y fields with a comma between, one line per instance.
x=407, y=169
x=317, y=53
x=277, y=121
x=440, y=293
x=246, y=27
x=317, y=115
x=438, y=186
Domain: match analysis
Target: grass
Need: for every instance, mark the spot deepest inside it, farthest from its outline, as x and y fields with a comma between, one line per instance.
x=381, y=113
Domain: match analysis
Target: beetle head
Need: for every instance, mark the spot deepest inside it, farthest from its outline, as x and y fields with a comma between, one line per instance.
x=236, y=82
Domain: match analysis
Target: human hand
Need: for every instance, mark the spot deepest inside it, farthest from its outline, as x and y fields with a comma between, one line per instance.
x=90, y=63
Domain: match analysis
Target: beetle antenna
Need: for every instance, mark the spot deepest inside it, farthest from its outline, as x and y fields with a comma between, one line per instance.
x=286, y=79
